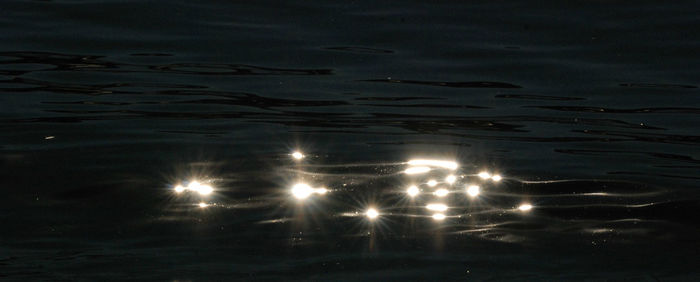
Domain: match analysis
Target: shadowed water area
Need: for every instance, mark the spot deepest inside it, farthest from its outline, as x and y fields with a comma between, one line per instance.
x=116, y=117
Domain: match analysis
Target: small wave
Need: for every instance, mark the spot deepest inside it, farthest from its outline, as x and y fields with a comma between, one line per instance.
x=466, y=84
x=359, y=50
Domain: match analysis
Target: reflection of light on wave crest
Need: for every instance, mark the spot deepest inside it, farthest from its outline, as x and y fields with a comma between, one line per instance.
x=297, y=155
x=195, y=186
x=435, y=163
x=441, y=192
x=303, y=190
x=436, y=207
x=417, y=170
x=484, y=175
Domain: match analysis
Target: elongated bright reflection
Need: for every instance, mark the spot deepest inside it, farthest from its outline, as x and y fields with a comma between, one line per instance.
x=297, y=155
x=473, y=191
x=525, y=207
x=444, y=164
x=416, y=170
x=432, y=183
x=484, y=175
x=321, y=191
x=194, y=186
x=412, y=191
x=436, y=207
x=496, y=177
x=302, y=190
x=441, y=192
x=438, y=216
x=203, y=205
x=372, y=213
x=450, y=179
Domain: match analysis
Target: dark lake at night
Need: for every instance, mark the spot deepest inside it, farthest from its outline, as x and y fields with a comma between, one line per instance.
x=342, y=141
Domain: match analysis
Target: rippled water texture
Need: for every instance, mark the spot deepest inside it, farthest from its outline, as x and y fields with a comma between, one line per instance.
x=587, y=112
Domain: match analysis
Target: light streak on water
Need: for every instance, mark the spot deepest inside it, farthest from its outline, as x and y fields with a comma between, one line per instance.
x=200, y=188
x=484, y=175
x=436, y=207
x=417, y=170
x=194, y=186
x=434, y=163
x=525, y=207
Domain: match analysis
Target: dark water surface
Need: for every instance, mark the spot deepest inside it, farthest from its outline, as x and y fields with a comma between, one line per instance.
x=588, y=110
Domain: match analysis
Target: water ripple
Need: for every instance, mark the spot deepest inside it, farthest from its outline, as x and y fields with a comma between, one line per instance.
x=467, y=84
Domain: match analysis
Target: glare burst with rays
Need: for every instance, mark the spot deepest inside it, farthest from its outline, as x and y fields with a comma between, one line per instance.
x=371, y=199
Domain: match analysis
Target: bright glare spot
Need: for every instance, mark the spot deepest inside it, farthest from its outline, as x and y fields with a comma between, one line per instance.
x=436, y=207
x=179, y=189
x=473, y=191
x=444, y=164
x=412, y=191
x=496, y=177
x=432, y=183
x=441, y=192
x=195, y=186
x=525, y=207
x=438, y=216
x=297, y=155
x=450, y=179
x=302, y=191
x=321, y=191
x=200, y=188
x=372, y=213
x=205, y=189
x=203, y=205
x=484, y=175
x=416, y=170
